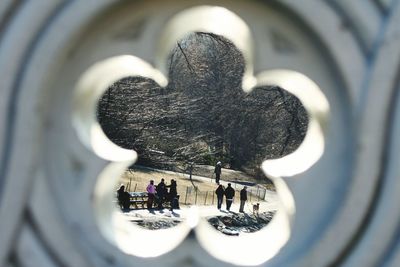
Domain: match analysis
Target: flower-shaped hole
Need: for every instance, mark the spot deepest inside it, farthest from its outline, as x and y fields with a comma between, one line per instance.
x=211, y=122
x=203, y=116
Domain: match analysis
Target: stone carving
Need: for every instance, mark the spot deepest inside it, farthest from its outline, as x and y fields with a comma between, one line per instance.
x=347, y=200
x=214, y=20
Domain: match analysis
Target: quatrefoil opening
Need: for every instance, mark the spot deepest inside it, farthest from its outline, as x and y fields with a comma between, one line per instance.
x=98, y=78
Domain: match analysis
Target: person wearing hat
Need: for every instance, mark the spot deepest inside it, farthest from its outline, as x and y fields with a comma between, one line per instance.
x=217, y=171
x=243, y=198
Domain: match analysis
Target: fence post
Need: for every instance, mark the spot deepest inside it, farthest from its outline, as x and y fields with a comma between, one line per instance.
x=258, y=188
x=195, y=198
x=186, y=194
x=205, y=199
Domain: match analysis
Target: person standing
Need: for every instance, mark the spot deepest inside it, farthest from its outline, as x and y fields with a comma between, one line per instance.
x=161, y=193
x=243, y=198
x=217, y=171
x=173, y=194
x=124, y=198
x=220, y=195
x=229, y=194
x=151, y=191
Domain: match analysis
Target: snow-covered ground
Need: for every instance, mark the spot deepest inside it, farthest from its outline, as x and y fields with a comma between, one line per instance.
x=270, y=204
x=220, y=219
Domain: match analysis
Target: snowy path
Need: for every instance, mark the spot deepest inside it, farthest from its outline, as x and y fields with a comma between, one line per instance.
x=269, y=204
x=204, y=211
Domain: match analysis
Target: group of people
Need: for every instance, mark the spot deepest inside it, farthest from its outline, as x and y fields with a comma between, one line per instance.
x=157, y=195
x=160, y=194
x=229, y=194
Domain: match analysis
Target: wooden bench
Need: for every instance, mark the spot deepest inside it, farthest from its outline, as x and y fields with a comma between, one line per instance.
x=138, y=199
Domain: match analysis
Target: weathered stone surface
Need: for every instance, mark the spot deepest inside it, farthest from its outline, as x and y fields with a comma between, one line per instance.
x=346, y=204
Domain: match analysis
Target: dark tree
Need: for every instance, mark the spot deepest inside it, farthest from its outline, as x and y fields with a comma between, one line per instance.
x=203, y=114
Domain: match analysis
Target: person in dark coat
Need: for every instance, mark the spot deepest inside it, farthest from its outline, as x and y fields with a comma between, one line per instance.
x=124, y=198
x=229, y=194
x=243, y=198
x=220, y=195
x=173, y=195
x=161, y=193
x=217, y=171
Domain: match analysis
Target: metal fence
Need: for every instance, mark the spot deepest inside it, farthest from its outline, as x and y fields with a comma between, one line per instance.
x=191, y=196
x=188, y=195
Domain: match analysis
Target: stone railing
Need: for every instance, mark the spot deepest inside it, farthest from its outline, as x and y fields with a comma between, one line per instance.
x=339, y=206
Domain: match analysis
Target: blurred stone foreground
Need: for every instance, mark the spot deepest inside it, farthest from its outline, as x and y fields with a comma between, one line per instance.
x=50, y=212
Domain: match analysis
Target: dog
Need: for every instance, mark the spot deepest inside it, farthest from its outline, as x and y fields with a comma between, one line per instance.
x=256, y=208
